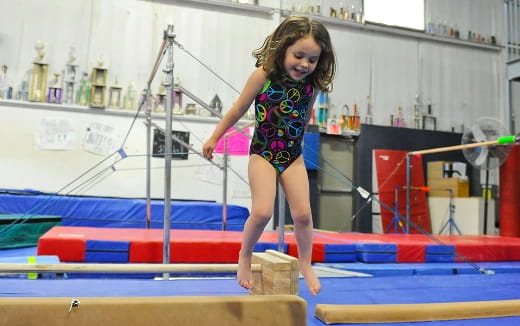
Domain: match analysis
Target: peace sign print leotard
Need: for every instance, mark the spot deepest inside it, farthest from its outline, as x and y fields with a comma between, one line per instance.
x=280, y=111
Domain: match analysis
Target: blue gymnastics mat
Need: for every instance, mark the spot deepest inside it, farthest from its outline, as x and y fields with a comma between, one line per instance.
x=346, y=290
x=123, y=212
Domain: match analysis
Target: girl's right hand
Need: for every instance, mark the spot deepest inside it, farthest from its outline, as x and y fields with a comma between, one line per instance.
x=208, y=148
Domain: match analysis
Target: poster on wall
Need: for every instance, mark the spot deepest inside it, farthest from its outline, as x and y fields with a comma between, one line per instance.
x=179, y=152
x=102, y=139
x=55, y=134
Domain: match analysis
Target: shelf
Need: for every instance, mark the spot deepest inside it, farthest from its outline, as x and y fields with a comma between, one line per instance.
x=230, y=5
x=98, y=111
x=367, y=27
x=396, y=31
x=344, y=133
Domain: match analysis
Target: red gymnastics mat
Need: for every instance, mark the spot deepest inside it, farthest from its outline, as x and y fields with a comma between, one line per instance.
x=93, y=244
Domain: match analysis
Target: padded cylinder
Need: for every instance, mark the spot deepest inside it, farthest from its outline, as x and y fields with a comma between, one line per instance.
x=268, y=310
x=392, y=313
x=509, y=193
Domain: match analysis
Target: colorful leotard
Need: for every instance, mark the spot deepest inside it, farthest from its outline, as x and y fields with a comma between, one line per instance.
x=280, y=111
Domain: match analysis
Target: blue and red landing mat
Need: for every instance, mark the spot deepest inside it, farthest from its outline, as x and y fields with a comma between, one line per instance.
x=92, y=244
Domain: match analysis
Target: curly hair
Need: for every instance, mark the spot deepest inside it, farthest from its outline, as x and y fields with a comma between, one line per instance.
x=271, y=54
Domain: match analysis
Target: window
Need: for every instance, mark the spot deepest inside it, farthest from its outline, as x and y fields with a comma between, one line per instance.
x=401, y=13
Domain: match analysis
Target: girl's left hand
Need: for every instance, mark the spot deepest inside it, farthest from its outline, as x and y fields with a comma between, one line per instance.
x=208, y=148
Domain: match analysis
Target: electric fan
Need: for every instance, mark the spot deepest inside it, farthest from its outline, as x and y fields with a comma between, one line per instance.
x=485, y=157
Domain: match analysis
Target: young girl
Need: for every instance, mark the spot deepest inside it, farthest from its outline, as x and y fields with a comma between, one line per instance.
x=294, y=63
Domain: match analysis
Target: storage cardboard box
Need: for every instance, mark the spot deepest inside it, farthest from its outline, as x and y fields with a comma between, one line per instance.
x=435, y=169
x=445, y=169
x=439, y=187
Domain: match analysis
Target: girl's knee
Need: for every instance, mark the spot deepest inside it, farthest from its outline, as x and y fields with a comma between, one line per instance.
x=260, y=220
x=303, y=219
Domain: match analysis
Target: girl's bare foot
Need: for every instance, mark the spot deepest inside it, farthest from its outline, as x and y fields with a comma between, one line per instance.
x=244, y=274
x=313, y=283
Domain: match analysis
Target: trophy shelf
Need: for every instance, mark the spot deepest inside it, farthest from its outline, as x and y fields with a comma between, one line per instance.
x=110, y=112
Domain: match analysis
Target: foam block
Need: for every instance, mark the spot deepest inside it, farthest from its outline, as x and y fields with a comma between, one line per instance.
x=311, y=146
x=376, y=252
x=263, y=246
x=343, y=253
x=158, y=311
x=100, y=251
x=391, y=313
x=440, y=254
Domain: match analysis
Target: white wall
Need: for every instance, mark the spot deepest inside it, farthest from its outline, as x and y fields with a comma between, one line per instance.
x=75, y=170
x=462, y=83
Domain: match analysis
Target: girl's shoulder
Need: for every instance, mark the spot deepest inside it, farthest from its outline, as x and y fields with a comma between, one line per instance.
x=258, y=78
x=259, y=74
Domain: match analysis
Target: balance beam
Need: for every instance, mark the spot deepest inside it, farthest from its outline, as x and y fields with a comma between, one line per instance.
x=158, y=311
x=273, y=272
x=392, y=313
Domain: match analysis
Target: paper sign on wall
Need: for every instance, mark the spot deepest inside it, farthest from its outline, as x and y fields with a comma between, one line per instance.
x=102, y=139
x=55, y=134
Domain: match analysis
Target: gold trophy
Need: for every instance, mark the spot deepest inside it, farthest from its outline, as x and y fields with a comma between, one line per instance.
x=40, y=71
x=98, y=86
x=114, y=96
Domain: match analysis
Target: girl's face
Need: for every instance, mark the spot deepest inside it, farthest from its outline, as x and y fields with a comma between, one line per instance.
x=301, y=58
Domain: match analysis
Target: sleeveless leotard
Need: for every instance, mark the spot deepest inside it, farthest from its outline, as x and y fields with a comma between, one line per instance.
x=280, y=111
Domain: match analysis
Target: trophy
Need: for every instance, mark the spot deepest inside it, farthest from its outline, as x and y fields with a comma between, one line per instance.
x=98, y=86
x=177, y=96
x=114, y=96
x=130, y=97
x=160, y=100
x=54, y=92
x=429, y=120
x=23, y=93
x=368, y=116
x=39, y=74
x=216, y=105
x=417, y=112
x=6, y=90
x=83, y=95
x=70, y=78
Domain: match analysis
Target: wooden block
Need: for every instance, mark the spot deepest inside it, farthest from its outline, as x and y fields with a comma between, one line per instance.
x=278, y=273
x=295, y=274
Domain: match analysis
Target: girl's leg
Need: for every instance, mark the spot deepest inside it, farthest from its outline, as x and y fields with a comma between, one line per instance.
x=295, y=183
x=262, y=181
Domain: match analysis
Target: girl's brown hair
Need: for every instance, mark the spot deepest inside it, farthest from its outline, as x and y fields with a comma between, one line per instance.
x=271, y=54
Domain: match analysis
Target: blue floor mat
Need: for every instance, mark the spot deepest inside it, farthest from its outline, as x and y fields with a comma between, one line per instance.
x=27, y=251
x=368, y=290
